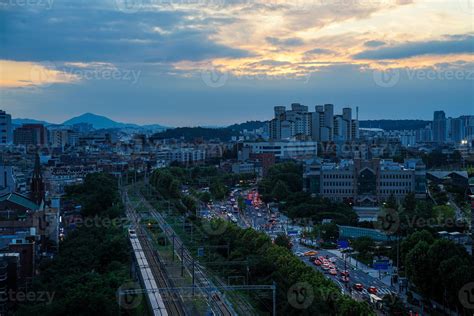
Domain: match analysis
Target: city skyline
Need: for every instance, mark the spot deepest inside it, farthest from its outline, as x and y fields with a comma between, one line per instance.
x=267, y=117
x=223, y=62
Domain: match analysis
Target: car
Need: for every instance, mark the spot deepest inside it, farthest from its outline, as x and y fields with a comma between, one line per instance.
x=325, y=266
x=310, y=253
x=372, y=290
x=358, y=287
x=299, y=254
x=345, y=273
x=333, y=272
x=345, y=279
x=317, y=262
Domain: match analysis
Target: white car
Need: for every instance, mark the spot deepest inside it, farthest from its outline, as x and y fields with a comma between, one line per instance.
x=299, y=254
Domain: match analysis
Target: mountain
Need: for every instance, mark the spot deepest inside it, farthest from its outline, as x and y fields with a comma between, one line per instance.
x=100, y=122
x=97, y=121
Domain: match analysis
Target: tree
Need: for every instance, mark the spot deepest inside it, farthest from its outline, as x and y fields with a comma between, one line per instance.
x=283, y=241
x=391, y=202
x=409, y=203
x=364, y=245
x=417, y=263
x=280, y=191
x=329, y=231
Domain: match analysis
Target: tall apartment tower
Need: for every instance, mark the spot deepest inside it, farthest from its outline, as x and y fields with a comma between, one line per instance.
x=6, y=133
x=320, y=125
x=439, y=127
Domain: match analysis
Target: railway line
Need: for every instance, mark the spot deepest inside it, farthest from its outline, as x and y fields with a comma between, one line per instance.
x=219, y=303
x=154, y=270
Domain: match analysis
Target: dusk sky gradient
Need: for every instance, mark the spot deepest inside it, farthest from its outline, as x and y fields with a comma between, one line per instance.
x=217, y=62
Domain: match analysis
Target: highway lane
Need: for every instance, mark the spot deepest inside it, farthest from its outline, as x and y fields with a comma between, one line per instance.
x=258, y=218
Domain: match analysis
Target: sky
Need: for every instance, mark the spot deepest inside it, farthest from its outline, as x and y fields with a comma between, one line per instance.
x=217, y=62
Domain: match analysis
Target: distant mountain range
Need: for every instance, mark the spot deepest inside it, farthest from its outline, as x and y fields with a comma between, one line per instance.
x=97, y=121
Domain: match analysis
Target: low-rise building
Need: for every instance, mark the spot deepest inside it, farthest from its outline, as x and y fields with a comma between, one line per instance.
x=365, y=182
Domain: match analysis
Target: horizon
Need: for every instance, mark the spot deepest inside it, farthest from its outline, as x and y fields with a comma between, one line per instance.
x=206, y=126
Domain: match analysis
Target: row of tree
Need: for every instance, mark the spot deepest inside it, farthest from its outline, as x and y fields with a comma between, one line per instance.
x=300, y=289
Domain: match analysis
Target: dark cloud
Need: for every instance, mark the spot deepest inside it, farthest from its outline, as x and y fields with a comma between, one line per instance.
x=374, y=43
x=291, y=41
x=457, y=44
x=320, y=51
x=86, y=34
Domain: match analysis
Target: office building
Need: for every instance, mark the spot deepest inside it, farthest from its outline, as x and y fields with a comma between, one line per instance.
x=284, y=149
x=6, y=134
x=365, y=182
x=31, y=134
x=439, y=127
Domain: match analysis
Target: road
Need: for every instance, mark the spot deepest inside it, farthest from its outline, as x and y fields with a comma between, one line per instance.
x=259, y=218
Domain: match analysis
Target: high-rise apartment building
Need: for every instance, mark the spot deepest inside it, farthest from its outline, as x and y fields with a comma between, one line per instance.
x=6, y=134
x=439, y=127
x=320, y=125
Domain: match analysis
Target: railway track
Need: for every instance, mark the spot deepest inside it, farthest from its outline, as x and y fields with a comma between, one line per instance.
x=217, y=299
x=171, y=300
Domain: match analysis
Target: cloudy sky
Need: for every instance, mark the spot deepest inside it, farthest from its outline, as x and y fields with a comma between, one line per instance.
x=216, y=62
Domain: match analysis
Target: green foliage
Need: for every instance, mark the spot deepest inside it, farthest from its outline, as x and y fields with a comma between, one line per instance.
x=93, y=261
x=288, y=176
x=364, y=245
x=438, y=267
x=96, y=195
x=271, y=262
x=283, y=241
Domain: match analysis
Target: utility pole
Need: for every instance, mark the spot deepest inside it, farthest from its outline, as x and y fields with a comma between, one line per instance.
x=193, y=274
x=274, y=298
x=182, y=260
x=172, y=254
